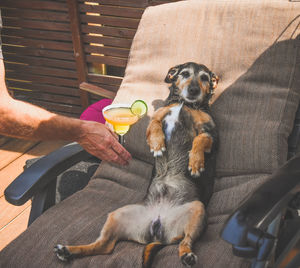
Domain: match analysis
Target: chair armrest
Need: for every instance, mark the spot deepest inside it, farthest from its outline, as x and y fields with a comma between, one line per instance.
x=42, y=172
x=246, y=228
x=97, y=90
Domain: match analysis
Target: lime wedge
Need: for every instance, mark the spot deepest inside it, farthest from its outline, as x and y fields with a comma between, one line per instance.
x=139, y=108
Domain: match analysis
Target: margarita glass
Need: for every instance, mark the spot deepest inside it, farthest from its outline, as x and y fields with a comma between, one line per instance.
x=120, y=117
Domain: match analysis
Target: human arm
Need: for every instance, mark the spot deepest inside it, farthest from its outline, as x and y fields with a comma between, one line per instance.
x=23, y=120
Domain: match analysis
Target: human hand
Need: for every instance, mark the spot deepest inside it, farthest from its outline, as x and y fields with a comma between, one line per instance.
x=102, y=142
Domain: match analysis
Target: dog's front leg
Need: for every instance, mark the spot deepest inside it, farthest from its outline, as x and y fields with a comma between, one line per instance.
x=155, y=134
x=201, y=144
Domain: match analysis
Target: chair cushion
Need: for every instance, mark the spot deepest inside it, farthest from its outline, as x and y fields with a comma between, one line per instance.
x=79, y=219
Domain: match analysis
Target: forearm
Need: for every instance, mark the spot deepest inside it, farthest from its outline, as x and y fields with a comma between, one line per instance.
x=23, y=120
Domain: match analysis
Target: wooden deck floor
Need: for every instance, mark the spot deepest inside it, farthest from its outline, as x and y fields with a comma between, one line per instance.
x=13, y=154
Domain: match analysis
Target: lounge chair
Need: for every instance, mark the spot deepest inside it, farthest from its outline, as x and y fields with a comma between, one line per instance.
x=253, y=46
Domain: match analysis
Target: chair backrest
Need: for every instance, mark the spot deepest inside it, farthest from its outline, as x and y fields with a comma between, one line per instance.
x=252, y=46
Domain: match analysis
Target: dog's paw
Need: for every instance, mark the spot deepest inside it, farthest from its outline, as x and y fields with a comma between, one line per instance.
x=62, y=252
x=196, y=173
x=189, y=259
x=159, y=152
x=196, y=165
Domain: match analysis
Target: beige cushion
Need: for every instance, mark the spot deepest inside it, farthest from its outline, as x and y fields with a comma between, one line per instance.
x=251, y=45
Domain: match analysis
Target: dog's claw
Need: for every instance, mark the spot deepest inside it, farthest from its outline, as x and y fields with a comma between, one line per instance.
x=157, y=153
x=189, y=259
x=62, y=253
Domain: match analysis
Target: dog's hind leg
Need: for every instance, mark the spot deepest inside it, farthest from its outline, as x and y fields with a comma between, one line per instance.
x=184, y=224
x=192, y=230
x=129, y=222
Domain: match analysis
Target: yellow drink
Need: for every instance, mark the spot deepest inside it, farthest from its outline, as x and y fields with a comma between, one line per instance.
x=120, y=116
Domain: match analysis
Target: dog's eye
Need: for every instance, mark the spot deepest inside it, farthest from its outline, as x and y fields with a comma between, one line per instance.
x=204, y=78
x=185, y=74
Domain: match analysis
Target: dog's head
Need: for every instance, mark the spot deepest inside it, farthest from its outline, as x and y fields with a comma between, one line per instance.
x=192, y=82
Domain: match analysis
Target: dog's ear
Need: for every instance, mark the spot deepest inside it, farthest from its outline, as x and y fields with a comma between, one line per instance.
x=172, y=74
x=214, y=80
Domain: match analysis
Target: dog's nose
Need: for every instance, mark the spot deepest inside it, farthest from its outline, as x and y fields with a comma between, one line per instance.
x=194, y=91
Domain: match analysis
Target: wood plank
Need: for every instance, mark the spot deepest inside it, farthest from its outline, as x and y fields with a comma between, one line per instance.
x=45, y=5
x=125, y=3
x=112, y=10
x=41, y=44
x=41, y=79
x=108, y=31
x=35, y=95
x=9, y=212
x=38, y=34
x=120, y=62
x=58, y=107
x=97, y=90
x=27, y=51
x=35, y=14
x=32, y=24
x=111, y=21
x=13, y=150
x=4, y=139
x=66, y=91
x=78, y=49
x=105, y=79
x=40, y=70
x=109, y=51
x=39, y=61
x=11, y=171
x=13, y=230
x=109, y=41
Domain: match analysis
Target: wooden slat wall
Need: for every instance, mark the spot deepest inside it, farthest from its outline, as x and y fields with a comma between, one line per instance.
x=39, y=51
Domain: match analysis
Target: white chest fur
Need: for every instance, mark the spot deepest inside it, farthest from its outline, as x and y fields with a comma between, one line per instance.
x=171, y=119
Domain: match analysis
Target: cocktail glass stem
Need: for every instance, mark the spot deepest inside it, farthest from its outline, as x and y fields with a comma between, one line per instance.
x=121, y=139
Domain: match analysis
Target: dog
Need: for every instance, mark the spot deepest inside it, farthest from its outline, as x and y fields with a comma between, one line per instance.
x=182, y=137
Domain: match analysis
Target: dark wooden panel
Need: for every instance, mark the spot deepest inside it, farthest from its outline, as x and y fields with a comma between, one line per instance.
x=38, y=34
x=125, y=3
x=40, y=70
x=110, y=51
x=110, y=21
x=37, y=43
x=108, y=31
x=81, y=65
x=113, y=11
x=33, y=14
x=26, y=51
x=109, y=41
x=39, y=61
x=45, y=25
x=120, y=62
x=45, y=5
x=59, y=90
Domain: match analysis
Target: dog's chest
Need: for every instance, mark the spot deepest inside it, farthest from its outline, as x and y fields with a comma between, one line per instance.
x=171, y=119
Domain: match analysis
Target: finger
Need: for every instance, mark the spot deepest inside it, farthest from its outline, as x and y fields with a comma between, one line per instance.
x=115, y=158
x=121, y=151
x=113, y=133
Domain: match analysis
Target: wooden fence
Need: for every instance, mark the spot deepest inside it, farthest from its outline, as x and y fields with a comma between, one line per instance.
x=50, y=47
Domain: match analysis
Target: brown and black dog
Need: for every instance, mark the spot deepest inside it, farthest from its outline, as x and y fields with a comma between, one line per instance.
x=182, y=136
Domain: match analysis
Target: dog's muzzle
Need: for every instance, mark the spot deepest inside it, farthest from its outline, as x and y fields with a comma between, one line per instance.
x=194, y=91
